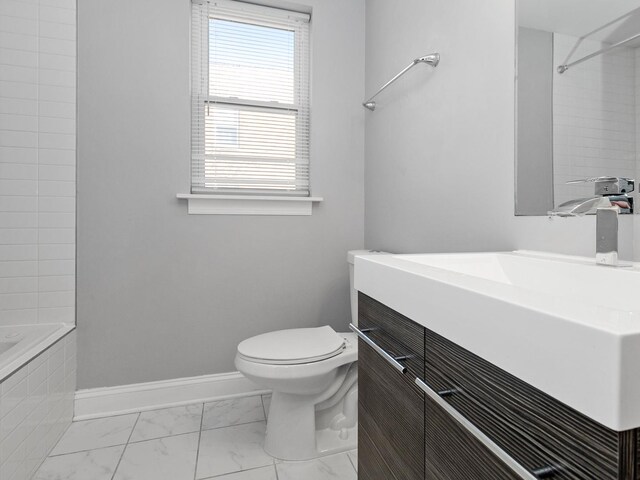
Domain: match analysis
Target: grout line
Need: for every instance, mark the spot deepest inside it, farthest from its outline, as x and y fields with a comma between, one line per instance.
x=195, y=467
x=125, y=447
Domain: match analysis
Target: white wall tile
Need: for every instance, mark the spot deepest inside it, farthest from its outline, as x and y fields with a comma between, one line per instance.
x=19, y=41
x=57, y=141
x=55, y=220
x=59, y=78
x=17, y=171
x=10, y=138
x=56, y=252
x=18, y=252
x=58, y=283
x=58, y=15
x=18, y=25
x=18, y=187
x=57, y=315
x=56, y=267
x=13, y=73
x=18, y=155
x=56, y=62
x=20, y=58
x=26, y=123
x=58, y=46
x=19, y=106
x=20, y=269
x=57, y=94
x=57, y=125
x=17, y=220
x=57, y=30
x=56, y=109
x=19, y=285
x=18, y=235
x=37, y=220
x=18, y=9
x=13, y=317
x=57, y=189
x=54, y=205
x=57, y=235
x=37, y=407
x=57, y=173
x=18, y=203
x=18, y=90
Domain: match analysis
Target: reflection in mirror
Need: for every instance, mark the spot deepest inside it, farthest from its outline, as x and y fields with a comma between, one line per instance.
x=578, y=98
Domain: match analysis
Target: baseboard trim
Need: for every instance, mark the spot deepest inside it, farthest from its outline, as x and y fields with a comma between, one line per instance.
x=103, y=402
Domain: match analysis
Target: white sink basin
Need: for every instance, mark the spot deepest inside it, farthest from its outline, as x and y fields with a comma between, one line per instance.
x=563, y=324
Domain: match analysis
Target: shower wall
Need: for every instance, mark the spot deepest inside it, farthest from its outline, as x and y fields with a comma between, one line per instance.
x=37, y=161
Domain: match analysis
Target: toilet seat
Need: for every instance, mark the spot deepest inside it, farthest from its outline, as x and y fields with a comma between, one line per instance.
x=293, y=346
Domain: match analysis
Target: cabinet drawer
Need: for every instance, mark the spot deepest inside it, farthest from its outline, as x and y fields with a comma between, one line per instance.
x=548, y=438
x=391, y=412
x=371, y=463
x=452, y=453
x=394, y=333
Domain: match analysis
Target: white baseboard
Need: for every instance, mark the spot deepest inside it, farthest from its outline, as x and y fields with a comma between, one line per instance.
x=102, y=402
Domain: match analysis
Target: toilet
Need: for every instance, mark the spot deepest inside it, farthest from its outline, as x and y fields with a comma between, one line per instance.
x=313, y=374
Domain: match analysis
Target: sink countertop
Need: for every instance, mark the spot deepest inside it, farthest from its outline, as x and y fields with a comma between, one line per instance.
x=561, y=323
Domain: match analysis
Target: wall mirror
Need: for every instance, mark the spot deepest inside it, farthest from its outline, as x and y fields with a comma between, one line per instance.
x=577, y=100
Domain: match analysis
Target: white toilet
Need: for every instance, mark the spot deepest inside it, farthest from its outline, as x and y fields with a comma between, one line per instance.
x=314, y=378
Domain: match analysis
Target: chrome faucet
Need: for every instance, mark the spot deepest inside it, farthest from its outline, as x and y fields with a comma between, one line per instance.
x=611, y=198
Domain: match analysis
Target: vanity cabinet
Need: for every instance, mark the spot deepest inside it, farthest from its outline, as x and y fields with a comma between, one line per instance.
x=390, y=404
x=450, y=415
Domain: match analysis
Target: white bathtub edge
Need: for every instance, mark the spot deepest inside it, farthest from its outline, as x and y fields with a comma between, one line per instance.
x=24, y=358
x=120, y=400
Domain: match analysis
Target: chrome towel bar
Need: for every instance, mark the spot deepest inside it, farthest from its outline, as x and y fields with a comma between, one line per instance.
x=432, y=59
x=394, y=361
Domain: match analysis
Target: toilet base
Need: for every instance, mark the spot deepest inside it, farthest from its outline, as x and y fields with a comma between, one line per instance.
x=303, y=428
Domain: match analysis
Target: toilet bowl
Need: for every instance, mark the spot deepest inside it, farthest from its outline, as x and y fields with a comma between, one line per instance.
x=314, y=378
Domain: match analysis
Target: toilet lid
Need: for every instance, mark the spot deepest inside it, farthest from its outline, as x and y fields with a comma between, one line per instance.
x=293, y=346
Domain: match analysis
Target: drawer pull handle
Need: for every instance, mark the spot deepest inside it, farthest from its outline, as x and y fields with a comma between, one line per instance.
x=394, y=361
x=545, y=472
x=473, y=430
x=448, y=393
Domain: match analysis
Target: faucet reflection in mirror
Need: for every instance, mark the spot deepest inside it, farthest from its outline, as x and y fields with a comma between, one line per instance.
x=611, y=198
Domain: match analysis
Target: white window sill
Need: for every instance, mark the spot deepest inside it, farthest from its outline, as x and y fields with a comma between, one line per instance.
x=202, y=204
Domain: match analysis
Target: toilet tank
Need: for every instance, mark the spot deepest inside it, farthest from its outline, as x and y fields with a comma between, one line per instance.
x=351, y=255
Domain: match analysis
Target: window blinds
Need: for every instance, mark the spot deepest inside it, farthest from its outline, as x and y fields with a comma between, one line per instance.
x=250, y=99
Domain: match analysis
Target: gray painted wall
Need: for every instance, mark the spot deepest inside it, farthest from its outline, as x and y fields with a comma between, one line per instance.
x=162, y=294
x=439, y=173
x=534, y=164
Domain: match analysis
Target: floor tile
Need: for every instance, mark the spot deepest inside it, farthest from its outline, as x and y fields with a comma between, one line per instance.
x=93, y=464
x=225, y=413
x=169, y=458
x=353, y=456
x=167, y=422
x=266, y=403
x=264, y=473
x=325, y=468
x=98, y=433
x=232, y=449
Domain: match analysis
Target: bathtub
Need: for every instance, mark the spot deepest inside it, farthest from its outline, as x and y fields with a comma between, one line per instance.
x=21, y=343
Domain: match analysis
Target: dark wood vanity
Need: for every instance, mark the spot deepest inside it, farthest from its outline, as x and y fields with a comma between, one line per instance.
x=429, y=409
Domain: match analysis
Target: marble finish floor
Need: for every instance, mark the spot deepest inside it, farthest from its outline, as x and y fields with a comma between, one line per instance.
x=219, y=440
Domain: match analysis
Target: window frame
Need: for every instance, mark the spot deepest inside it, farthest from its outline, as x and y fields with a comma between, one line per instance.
x=245, y=13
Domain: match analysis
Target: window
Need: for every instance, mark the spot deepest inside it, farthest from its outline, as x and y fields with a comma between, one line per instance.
x=250, y=99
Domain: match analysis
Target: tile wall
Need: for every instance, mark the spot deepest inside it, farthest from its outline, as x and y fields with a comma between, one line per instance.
x=37, y=161
x=36, y=407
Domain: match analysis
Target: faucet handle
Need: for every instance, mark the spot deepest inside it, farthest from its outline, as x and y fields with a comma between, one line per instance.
x=608, y=185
